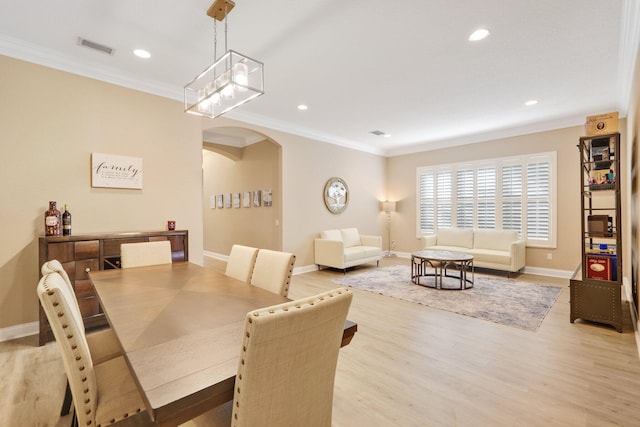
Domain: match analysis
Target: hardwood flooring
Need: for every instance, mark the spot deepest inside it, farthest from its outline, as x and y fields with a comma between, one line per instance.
x=411, y=365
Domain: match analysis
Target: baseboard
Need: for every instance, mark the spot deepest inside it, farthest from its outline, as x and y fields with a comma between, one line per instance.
x=19, y=331
x=551, y=272
x=215, y=256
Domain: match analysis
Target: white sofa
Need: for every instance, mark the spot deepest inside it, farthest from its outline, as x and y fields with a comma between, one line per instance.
x=346, y=248
x=495, y=249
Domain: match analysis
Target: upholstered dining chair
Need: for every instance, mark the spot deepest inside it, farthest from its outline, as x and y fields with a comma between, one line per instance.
x=273, y=271
x=287, y=365
x=241, y=262
x=103, y=394
x=145, y=253
x=103, y=344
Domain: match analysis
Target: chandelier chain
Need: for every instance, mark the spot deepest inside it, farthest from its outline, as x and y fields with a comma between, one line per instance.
x=215, y=40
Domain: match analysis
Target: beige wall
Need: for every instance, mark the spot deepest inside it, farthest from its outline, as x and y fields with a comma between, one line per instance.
x=306, y=166
x=50, y=123
x=401, y=185
x=256, y=167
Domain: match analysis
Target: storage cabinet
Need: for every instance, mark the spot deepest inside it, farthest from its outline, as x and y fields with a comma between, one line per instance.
x=596, y=287
x=84, y=253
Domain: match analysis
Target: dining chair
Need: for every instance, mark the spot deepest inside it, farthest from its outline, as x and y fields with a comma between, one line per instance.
x=103, y=394
x=145, y=253
x=287, y=365
x=273, y=271
x=103, y=344
x=241, y=262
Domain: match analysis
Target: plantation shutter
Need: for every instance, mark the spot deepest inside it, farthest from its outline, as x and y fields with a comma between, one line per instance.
x=444, y=190
x=486, y=197
x=464, y=198
x=512, y=198
x=538, y=200
x=427, y=203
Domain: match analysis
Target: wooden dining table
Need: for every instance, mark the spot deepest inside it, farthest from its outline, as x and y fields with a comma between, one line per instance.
x=180, y=327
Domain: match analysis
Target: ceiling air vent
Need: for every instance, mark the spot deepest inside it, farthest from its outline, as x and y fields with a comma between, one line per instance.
x=96, y=46
x=377, y=132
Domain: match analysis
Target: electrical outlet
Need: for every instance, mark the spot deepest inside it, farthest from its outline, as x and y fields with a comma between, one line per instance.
x=549, y=255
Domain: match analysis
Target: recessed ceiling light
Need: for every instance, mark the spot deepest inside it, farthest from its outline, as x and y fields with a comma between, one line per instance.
x=478, y=35
x=531, y=102
x=302, y=107
x=386, y=135
x=141, y=53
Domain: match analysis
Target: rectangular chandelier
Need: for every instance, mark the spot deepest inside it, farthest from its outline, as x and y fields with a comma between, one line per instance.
x=226, y=84
x=230, y=81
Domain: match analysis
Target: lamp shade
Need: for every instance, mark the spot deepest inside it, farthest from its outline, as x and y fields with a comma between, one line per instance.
x=388, y=206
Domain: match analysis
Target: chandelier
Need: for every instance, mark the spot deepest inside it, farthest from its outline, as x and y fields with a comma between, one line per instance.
x=230, y=81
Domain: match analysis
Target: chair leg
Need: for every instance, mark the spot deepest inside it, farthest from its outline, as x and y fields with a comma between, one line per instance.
x=66, y=404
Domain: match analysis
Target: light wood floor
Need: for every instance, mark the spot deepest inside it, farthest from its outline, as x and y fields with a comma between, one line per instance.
x=410, y=365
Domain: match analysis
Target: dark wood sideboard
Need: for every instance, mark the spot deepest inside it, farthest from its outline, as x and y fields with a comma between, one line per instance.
x=90, y=252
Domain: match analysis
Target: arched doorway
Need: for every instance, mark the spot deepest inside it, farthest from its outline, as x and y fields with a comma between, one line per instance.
x=242, y=190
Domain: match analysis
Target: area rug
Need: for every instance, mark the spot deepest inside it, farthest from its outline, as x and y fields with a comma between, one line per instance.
x=505, y=301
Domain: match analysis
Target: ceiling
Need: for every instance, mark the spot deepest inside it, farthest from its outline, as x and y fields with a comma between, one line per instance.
x=405, y=68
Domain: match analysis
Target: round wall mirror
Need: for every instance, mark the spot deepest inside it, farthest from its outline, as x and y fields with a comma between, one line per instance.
x=336, y=195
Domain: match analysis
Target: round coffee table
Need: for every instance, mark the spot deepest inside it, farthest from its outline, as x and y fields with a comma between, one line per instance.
x=442, y=262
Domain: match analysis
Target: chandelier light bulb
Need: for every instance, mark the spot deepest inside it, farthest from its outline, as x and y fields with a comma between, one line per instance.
x=241, y=76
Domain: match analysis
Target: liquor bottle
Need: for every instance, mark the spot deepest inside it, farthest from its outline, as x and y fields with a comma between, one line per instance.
x=52, y=224
x=66, y=221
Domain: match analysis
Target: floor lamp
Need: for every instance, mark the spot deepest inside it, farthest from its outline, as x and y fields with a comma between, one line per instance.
x=389, y=207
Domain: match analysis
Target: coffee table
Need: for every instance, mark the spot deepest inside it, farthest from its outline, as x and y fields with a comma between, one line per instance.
x=442, y=263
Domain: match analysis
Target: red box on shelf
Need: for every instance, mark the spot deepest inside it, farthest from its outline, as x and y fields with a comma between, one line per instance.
x=601, y=267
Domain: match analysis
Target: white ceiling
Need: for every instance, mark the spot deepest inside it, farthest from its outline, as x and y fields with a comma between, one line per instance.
x=404, y=67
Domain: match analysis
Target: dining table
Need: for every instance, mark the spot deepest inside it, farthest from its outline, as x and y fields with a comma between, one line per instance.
x=180, y=327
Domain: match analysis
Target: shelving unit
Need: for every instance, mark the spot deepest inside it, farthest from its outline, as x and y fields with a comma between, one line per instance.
x=596, y=288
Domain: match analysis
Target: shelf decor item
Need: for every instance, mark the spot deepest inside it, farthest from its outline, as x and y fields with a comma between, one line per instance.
x=52, y=220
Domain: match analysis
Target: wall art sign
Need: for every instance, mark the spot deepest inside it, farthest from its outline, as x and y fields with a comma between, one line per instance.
x=111, y=171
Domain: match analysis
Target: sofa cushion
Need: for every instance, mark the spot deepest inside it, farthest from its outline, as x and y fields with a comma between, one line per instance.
x=353, y=253
x=459, y=237
x=499, y=240
x=370, y=251
x=331, y=235
x=492, y=256
x=350, y=237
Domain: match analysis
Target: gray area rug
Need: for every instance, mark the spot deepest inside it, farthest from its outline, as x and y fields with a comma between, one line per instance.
x=505, y=301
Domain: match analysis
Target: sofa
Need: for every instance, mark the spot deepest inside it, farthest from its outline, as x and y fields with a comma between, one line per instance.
x=346, y=248
x=494, y=249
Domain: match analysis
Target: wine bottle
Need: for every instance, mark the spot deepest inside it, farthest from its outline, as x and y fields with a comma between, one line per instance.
x=66, y=221
x=52, y=223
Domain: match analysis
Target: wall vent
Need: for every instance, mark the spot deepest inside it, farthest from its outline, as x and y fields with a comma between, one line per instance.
x=96, y=46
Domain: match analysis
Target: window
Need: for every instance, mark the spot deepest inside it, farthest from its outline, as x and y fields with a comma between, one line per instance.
x=515, y=193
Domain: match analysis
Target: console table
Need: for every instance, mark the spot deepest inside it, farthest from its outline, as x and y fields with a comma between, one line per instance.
x=80, y=254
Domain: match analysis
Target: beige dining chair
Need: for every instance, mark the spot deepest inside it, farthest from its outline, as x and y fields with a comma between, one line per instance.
x=287, y=364
x=241, y=262
x=273, y=271
x=103, y=394
x=145, y=253
x=103, y=344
